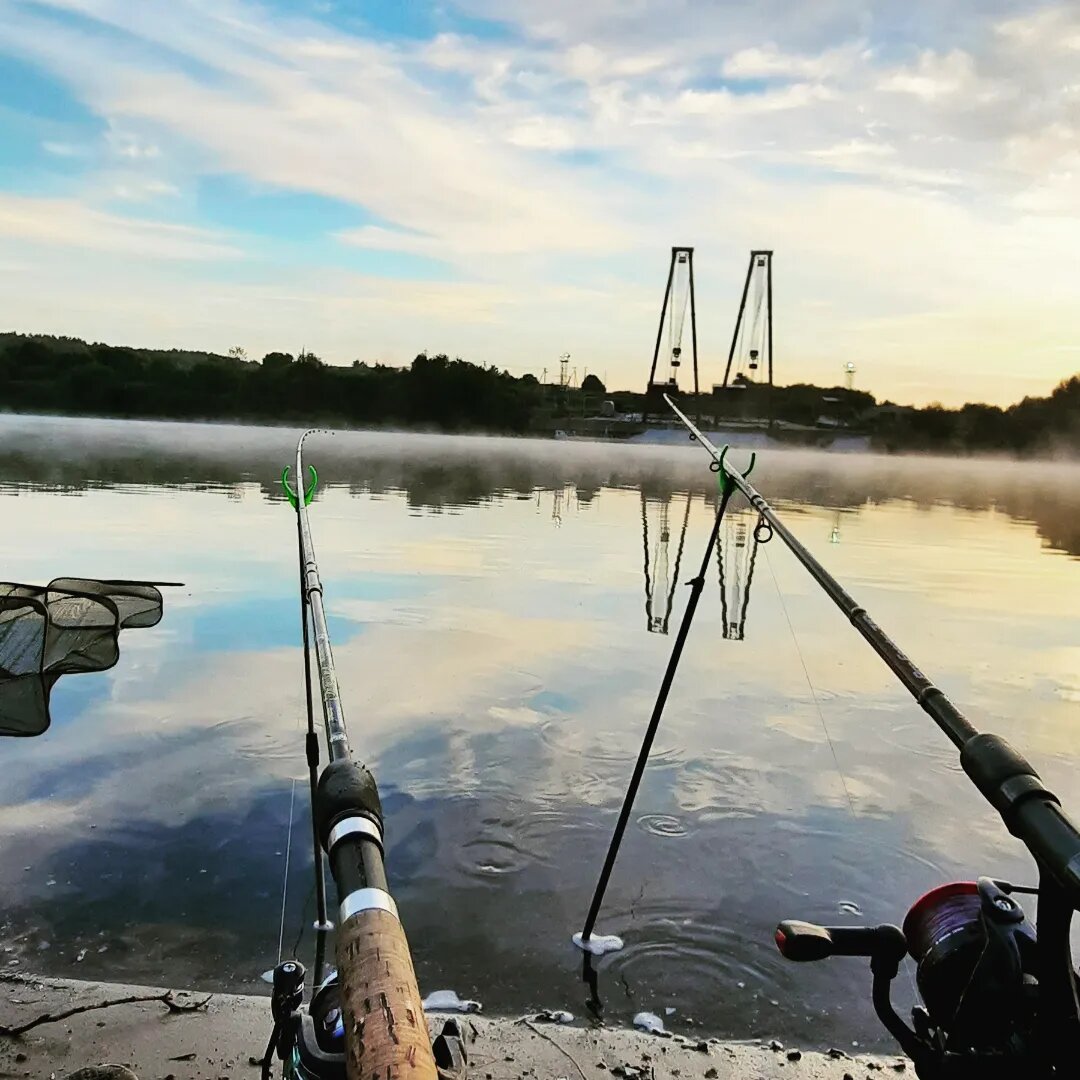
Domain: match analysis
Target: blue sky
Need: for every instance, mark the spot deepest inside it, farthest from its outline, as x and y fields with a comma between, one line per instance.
x=503, y=180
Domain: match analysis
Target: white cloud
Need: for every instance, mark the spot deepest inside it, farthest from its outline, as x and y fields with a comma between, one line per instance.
x=1053, y=29
x=126, y=144
x=140, y=190
x=724, y=102
x=70, y=223
x=306, y=110
x=765, y=62
x=934, y=76
x=541, y=133
x=63, y=149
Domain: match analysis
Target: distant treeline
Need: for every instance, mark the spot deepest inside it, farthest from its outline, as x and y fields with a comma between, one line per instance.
x=65, y=375
x=69, y=376
x=1034, y=425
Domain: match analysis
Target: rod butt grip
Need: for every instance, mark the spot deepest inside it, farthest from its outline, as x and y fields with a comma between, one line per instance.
x=386, y=1034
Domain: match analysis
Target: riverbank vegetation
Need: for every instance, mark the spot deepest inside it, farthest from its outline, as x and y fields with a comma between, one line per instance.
x=64, y=375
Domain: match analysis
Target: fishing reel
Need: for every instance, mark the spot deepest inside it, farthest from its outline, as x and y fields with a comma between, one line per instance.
x=978, y=968
x=310, y=1042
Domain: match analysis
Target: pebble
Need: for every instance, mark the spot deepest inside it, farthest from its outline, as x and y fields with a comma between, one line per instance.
x=710, y=1074
x=554, y=1016
x=650, y=1022
x=776, y=1045
x=794, y=1055
x=448, y=1001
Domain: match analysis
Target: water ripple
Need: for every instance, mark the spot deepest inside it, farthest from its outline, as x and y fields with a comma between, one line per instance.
x=663, y=825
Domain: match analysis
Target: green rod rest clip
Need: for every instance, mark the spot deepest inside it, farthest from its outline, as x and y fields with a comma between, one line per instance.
x=309, y=493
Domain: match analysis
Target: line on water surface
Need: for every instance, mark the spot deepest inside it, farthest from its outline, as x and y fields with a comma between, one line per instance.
x=824, y=728
x=809, y=682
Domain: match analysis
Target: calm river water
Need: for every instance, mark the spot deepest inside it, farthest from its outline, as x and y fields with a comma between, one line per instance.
x=501, y=613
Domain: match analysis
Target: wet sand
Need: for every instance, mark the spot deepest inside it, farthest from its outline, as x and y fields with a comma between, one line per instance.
x=225, y=1039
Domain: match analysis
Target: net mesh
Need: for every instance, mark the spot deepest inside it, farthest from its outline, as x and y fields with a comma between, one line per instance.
x=70, y=625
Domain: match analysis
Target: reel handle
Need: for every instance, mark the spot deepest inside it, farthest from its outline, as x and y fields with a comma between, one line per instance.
x=805, y=942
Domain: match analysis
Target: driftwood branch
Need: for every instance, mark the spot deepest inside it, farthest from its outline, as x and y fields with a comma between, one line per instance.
x=167, y=999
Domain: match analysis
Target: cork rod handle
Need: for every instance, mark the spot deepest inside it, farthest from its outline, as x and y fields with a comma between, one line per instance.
x=386, y=1035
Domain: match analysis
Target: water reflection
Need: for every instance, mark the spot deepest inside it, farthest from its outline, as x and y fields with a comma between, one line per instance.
x=444, y=472
x=736, y=555
x=661, y=566
x=485, y=598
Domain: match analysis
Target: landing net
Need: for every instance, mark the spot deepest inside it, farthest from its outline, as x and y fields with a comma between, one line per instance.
x=69, y=626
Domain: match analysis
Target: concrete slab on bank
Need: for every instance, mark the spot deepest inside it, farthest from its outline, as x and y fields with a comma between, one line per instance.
x=224, y=1040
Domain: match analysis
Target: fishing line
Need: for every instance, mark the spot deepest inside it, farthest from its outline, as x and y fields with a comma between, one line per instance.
x=292, y=800
x=285, y=879
x=821, y=717
x=810, y=684
x=303, y=920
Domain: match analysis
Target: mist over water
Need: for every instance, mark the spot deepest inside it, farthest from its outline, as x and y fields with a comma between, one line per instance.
x=497, y=609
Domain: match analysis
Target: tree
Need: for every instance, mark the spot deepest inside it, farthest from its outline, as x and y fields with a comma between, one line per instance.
x=275, y=361
x=592, y=385
x=238, y=352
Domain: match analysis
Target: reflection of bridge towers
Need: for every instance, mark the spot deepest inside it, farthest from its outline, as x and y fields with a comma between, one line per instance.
x=563, y=498
x=736, y=553
x=660, y=576
x=834, y=533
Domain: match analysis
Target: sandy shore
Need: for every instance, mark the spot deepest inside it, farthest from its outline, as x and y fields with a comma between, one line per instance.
x=225, y=1039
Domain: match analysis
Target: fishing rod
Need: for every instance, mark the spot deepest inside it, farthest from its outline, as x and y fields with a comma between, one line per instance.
x=697, y=584
x=1000, y=1000
x=366, y=1020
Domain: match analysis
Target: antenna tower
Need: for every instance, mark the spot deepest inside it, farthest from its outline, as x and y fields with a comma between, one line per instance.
x=678, y=297
x=751, y=354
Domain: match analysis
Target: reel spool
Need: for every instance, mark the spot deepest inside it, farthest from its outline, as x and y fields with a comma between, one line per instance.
x=974, y=951
x=945, y=938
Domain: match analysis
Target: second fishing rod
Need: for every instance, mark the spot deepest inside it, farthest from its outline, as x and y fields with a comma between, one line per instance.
x=726, y=489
